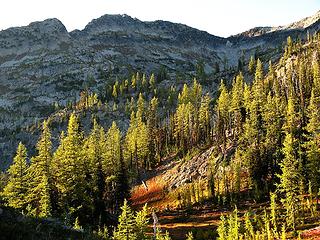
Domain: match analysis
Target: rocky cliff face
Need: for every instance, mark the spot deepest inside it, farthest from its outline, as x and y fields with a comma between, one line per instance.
x=42, y=64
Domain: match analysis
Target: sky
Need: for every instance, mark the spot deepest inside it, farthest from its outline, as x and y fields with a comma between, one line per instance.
x=218, y=17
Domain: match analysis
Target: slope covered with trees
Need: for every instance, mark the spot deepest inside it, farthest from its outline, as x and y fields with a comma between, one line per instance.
x=263, y=125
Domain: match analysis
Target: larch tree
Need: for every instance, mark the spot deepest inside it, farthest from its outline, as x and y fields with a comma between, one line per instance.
x=222, y=119
x=69, y=168
x=252, y=137
x=184, y=126
x=152, y=125
x=93, y=147
x=290, y=178
x=152, y=81
x=40, y=184
x=184, y=96
x=204, y=119
x=290, y=167
x=237, y=107
x=312, y=145
x=136, y=142
x=273, y=119
x=141, y=107
x=126, y=229
x=251, y=65
x=141, y=223
x=115, y=90
x=111, y=154
x=14, y=193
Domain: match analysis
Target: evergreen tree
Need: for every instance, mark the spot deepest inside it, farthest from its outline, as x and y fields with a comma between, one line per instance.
x=152, y=81
x=289, y=47
x=222, y=110
x=115, y=91
x=112, y=147
x=141, y=222
x=292, y=121
x=141, y=104
x=251, y=143
x=69, y=169
x=152, y=125
x=14, y=193
x=39, y=190
x=144, y=83
x=236, y=107
x=251, y=65
x=133, y=82
x=184, y=97
x=204, y=119
x=137, y=142
x=290, y=176
x=121, y=191
x=93, y=148
x=184, y=126
x=312, y=146
x=126, y=229
x=273, y=119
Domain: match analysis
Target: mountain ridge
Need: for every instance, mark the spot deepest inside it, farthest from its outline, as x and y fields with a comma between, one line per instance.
x=43, y=65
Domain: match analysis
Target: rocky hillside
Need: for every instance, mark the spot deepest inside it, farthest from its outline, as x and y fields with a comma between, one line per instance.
x=42, y=65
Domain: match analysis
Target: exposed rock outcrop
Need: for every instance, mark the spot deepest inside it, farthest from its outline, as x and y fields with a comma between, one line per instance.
x=42, y=64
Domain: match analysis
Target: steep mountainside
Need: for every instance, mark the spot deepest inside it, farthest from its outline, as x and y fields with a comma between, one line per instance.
x=43, y=65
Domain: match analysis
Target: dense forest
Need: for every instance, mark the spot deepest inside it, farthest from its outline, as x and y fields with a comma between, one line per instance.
x=264, y=126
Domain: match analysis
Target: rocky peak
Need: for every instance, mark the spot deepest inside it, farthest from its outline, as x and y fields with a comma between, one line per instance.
x=301, y=25
x=254, y=32
x=48, y=26
x=47, y=34
x=110, y=22
x=304, y=23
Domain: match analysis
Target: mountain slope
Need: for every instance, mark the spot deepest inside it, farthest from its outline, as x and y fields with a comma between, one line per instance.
x=43, y=65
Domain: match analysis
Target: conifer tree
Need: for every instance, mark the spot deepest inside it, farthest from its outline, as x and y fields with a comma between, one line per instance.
x=94, y=147
x=291, y=118
x=141, y=104
x=14, y=193
x=252, y=137
x=236, y=107
x=152, y=81
x=316, y=78
x=251, y=65
x=144, y=83
x=152, y=125
x=115, y=91
x=290, y=176
x=133, y=82
x=111, y=154
x=184, y=126
x=195, y=94
x=121, y=191
x=204, y=119
x=272, y=118
x=289, y=47
x=222, y=110
x=39, y=190
x=137, y=142
x=312, y=146
x=251, y=140
x=126, y=229
x=69, y=168
x=184, y=97
x=141, y=222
